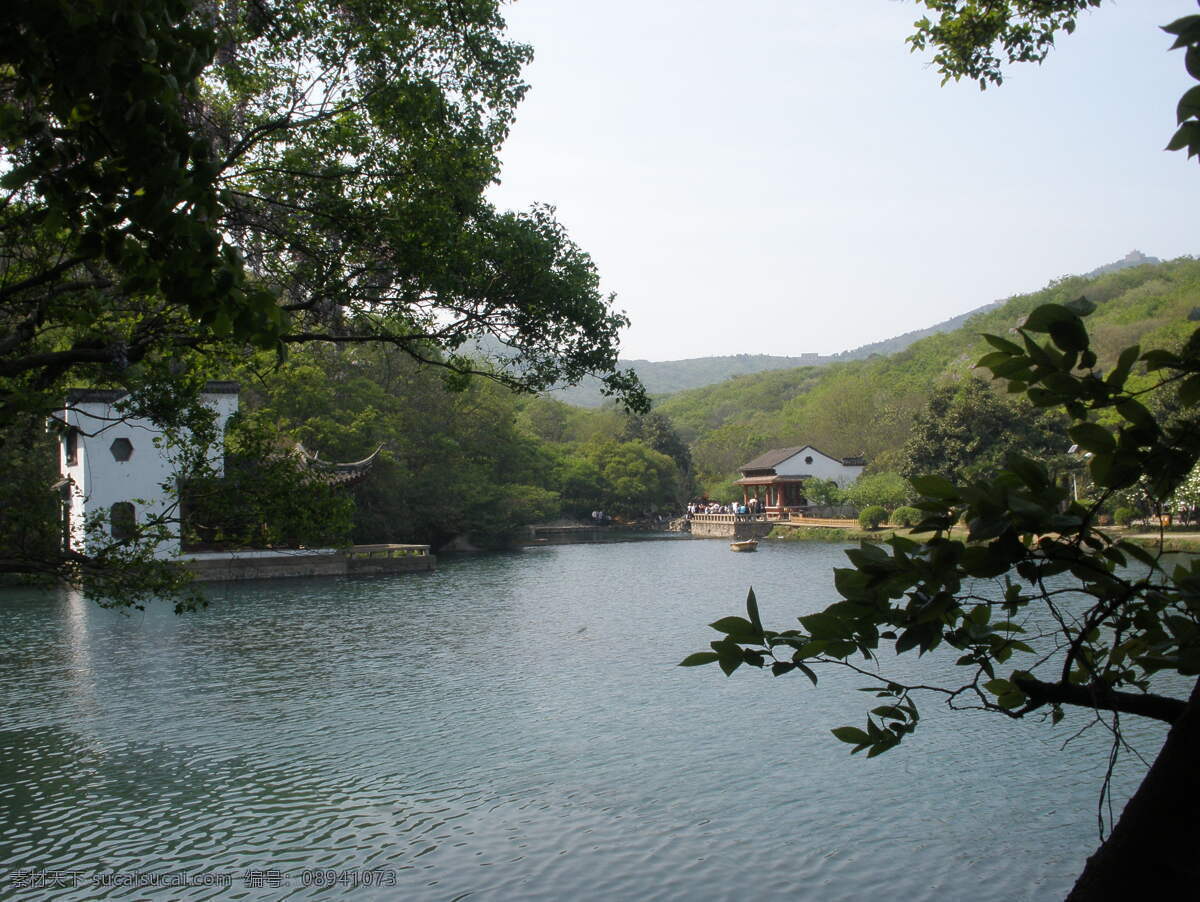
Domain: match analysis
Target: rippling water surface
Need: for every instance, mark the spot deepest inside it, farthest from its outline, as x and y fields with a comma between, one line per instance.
x=508, y=727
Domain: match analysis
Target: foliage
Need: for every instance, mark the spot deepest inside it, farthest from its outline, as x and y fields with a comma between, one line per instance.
x=1035, y=583
x=881, y=398
x=906, y=516
x=887, y=490
x=823, y=492
x=30, y=514
x=173, y=183
x=266, y=498
x=968, y=429
x=871, y=516
x=638, y=478
x=656, y=431
x=973, y=40
x=1124, y=516
x=182, y=183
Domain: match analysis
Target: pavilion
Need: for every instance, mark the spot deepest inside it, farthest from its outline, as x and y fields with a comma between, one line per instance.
x=775, y=479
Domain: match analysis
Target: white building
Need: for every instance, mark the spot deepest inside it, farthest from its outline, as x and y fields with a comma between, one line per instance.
x=116, y=467
x=776, y=478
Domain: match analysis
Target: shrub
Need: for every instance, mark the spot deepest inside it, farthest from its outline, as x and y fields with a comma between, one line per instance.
x=907, y=516
x=871, y=517
x=889, y=489
x=1124, y=516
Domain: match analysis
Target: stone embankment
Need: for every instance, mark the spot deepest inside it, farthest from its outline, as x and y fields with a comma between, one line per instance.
x=728, y=526
x=358, y=560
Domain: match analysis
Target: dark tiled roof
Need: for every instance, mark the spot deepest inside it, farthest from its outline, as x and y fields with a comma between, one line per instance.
x=769, y=480
x=109, y=395
x=771, y=459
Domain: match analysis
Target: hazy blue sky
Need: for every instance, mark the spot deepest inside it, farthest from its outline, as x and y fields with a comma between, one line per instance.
x=783, y=176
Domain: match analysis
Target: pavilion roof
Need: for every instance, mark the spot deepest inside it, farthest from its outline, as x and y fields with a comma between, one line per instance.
x=768, y=480
x=338, y=473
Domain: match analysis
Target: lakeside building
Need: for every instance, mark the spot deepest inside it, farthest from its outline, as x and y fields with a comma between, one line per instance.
x=776, y=478
x=118, y=468
x=120, y=473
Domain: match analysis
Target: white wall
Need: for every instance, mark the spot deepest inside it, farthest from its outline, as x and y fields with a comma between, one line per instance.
x=821, y=467
x=99, y=480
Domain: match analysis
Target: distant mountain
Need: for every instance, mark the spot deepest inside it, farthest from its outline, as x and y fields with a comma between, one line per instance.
x=868, y=406
x=900, y=342
x=666, y=377
x=670, y=376
x=1133, y=258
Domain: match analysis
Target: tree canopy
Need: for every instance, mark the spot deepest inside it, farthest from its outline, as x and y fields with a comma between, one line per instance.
x=182, y=174
x=183, y=182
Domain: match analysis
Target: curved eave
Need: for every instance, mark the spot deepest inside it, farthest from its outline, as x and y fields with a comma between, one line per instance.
x=769, y=480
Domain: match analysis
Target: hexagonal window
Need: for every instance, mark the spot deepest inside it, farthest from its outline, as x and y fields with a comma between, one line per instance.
x=122, y=449
x=808, y=460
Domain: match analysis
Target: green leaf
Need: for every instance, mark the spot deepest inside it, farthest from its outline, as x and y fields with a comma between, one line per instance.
x=1093, y=437
x=823, y=625
x=1047, y=315
x=1003, y=344
x=1189, y=391
x=1081, y=305
x=1189, y=105
x=1136, y=413
x=1011, y=700
x=998, y=686
x=700, y=657
x=852, y=735
x=935, y=487
x=752, y=611
x=1069, y=335
x=1116, y=379
x=808, y=672
x=735, y=626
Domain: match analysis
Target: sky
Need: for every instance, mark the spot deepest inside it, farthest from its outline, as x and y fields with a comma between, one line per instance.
x=785, y=177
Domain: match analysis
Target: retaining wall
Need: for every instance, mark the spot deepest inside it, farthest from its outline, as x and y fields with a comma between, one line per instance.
x=360, y=560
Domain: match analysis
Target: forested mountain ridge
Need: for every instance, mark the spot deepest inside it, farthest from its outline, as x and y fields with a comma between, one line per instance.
x=666, y=377
x=869, y=406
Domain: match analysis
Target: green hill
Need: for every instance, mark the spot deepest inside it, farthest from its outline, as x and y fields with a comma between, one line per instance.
x=868, y=406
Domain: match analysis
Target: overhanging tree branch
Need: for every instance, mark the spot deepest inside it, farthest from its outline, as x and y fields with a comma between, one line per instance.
x=1098, y=695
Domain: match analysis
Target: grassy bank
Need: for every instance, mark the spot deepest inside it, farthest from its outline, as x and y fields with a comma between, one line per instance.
x=829, y=534
x=1171, y=541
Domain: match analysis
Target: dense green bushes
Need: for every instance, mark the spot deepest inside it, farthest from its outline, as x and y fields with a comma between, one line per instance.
x=906, y=516
x=872, y=516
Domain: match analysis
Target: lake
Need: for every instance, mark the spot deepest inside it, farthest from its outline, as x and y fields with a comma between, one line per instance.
x=511, y=726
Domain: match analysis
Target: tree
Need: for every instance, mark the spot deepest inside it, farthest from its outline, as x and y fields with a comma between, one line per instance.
x=1011, y=587
x=637, y=478
x=968, y=429
x=887, y=490
x=184, y=179
x=656, y=432
x=1093, y=620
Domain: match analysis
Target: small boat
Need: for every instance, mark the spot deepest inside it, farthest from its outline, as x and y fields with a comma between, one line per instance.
x=748, y=545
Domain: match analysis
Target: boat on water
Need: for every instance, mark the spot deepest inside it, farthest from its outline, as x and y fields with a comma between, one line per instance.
x=747, y=545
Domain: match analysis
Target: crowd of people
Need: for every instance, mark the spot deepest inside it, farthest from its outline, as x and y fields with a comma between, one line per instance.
x=751, y=508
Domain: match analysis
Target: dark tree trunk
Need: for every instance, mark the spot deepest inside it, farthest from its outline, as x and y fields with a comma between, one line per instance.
x=1153, y=851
